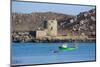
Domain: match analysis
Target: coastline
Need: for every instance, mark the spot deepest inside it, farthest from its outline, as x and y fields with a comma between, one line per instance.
x=57, y=41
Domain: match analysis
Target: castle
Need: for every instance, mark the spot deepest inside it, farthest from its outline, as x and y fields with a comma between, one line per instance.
x=49, y=31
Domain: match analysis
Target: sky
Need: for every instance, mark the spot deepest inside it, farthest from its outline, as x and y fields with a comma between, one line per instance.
x=29, y=7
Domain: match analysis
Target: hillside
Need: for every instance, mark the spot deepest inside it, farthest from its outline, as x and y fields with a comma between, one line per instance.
x=86, y=23
x=30, y=22
x=83, y=24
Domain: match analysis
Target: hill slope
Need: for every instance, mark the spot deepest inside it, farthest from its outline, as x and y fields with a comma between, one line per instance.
x=85, y=22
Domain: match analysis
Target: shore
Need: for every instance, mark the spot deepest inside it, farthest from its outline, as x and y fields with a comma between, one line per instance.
x=29, y=38
x=55, y=41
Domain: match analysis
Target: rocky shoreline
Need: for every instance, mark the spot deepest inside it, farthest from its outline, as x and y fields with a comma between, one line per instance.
x=29, y=38
x=68, y=41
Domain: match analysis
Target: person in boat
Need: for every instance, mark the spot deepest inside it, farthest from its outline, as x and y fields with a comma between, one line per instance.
x=64, y=46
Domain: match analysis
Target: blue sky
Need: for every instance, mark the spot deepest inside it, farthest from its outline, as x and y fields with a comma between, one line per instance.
x=29, y=7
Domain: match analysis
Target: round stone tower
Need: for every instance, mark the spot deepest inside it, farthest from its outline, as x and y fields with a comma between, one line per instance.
x=52, y=27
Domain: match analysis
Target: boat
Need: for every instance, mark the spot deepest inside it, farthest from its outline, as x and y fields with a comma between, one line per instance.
x=64, y=47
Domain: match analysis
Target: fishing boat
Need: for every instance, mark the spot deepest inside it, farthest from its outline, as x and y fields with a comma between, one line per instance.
x=65, y=47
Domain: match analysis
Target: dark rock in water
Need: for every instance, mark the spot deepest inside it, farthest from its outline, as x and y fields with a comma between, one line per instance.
x=56, y=52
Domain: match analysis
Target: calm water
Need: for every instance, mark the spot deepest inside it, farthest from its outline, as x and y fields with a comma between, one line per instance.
x=41, y=53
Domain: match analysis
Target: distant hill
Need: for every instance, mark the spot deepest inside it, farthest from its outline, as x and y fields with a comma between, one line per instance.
x=30, y=22
x=85, y=22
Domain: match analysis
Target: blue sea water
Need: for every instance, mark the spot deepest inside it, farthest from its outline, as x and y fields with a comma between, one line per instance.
x=43, y=53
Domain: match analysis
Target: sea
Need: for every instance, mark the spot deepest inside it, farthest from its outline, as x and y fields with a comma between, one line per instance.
x=45, y=53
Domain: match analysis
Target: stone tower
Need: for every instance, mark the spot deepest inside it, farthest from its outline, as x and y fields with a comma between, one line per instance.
x=52, y=27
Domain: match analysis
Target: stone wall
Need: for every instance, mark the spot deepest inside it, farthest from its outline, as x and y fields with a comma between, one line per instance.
x=40, y=34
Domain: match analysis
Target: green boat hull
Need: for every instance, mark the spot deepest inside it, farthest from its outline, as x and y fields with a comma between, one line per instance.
x=67, y=49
